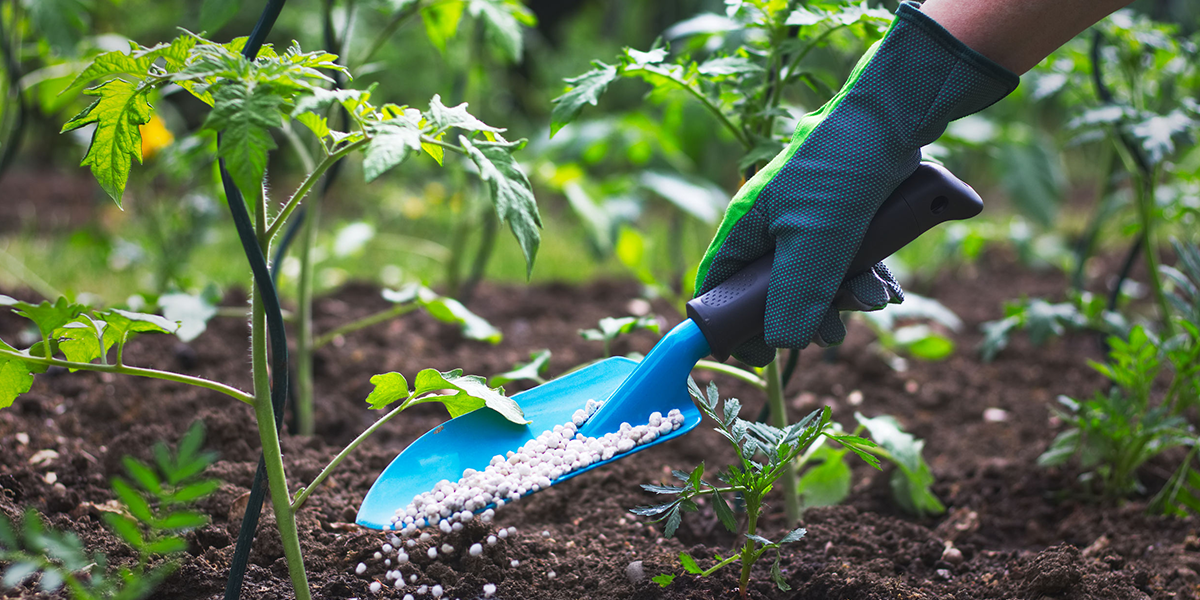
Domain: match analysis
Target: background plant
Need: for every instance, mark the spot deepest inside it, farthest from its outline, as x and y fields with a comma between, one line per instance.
x=152, y=520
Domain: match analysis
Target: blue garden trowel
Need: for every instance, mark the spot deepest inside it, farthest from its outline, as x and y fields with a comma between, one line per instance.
x=719, y=321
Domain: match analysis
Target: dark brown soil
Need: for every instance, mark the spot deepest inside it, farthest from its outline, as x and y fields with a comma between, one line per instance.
x=1019, y=531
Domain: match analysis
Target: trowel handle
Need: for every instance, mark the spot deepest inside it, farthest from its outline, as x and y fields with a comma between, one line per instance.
x=732, y=313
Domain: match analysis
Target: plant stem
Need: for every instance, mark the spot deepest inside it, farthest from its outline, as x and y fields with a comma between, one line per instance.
x=732, y=371
x=716, y=111
x=308, y=183
x=713, y=569
x=135, y=371
x=753, y=505
x=304, y=326
x=1145, y=200
x=304, y=492
x=363, y=323
x=787, y=479
x=285, y=518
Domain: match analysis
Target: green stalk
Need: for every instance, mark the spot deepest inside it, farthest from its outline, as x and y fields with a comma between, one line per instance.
x=363, y=323
x=732, y=371
x=753, y=502
x=285, y=519
x=791, y=485
x=304, y=492
x=230, y=391
x=1145, y=201
x=304, y=333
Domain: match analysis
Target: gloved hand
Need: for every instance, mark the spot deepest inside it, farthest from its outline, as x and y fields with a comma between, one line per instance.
x=813, y=201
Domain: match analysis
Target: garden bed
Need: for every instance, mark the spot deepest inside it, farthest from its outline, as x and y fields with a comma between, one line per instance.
x=1020, y=533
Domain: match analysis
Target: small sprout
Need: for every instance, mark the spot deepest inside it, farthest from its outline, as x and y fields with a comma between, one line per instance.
x=360, y=569
x=476, y=549
x=489, y=589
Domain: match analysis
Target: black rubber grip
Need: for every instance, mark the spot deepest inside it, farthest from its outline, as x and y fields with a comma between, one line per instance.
x=732, y=313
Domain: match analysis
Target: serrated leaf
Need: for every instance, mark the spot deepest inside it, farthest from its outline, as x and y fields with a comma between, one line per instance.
x=777, y=575
x=121, y=324
x=662, y=489
x=389, y=387
x=724, y=513
x=713, y=396
x=118, y=114
x=584, y=89
x=673, y=519
x=696, y=476
x=663, y=580
x=193, y=491
x=441, y=117
x=510, y=191
x=858, y=445
x=760, y=539
x=472, y=393
x=125, y=528
x=48, y=317
x=244, y=117
x=392, y=141
x=794, y=536
x=114, y=63
x=534, y=370
x=650, y=511
x=689, y=563
x=732, y=407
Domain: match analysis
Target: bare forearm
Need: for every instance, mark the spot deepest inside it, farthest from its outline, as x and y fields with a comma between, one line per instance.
x=1018, y=34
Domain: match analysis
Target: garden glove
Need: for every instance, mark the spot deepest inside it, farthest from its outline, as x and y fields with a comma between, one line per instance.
x=813, y=202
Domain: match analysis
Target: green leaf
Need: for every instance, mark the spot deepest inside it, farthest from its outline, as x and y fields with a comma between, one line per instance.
x=698, y=198
x=910, y=484
x=132, y=500
x=244, y=117
x=794, y=535
x=15, y=379
x=828, y=483
x=392, y=141
x=696, y=476
x=534, y=370
x=143, y=474
x=17, y=572
x=502, y=21
x=79, y=340
x=1064, y=446
x=61, y=22
x=181, y=520
x=193, y=491
x=441, y=22
x=762, y=540
x=192, y=312
x=510, y=191
x=167, y=545
x=996, y=336
x=584, y=89
x=777, y=575
x=674, y=516
x=663, y=580
x=689, y=563
x=442, y=117
x=117, y=139
x=724, y=513
x=48, y=317
x=650, y=511
x=449, y=310
x=662, y=489
x=123, y=323
x=924, y=343
x=114, y=63
x=609, y=328
x=859, y=446
x=389, y=387
x=472, y=393
x=729, y=65
x=125, y=528
x=214, y=14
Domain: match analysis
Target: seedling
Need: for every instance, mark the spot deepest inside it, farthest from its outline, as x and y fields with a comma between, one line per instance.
x=750, y=479
x=152, y=521
x=610, y=328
